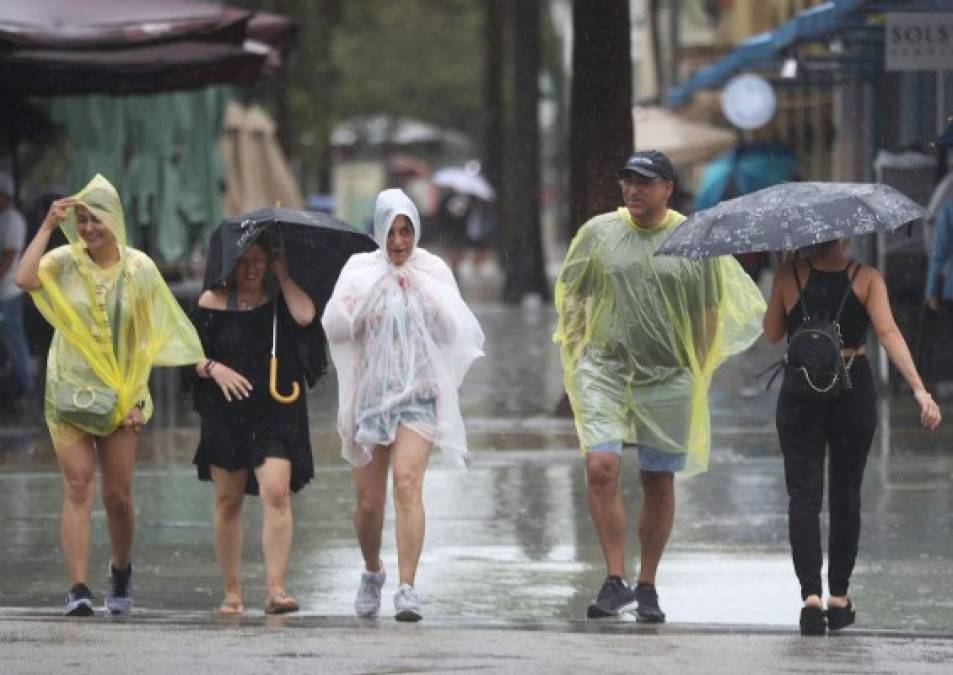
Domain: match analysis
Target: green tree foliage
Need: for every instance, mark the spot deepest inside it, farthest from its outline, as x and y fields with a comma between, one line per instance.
x=413, y=58
x=401, y=58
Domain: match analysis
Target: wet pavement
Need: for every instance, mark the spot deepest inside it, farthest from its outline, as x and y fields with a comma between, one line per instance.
x=509, y=541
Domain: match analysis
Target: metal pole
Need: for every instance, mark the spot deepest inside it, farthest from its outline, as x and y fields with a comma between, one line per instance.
x=675, y=11
x=940, y=101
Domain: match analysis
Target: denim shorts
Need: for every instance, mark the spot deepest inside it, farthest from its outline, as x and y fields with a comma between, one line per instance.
x=379, y=426
x=651, y=459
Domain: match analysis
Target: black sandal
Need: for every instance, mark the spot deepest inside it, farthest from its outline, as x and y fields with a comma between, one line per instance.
x=812, y=621
x=841, y=617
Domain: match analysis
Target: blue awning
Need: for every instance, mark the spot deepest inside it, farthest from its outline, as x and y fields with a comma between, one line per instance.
x=814, y=24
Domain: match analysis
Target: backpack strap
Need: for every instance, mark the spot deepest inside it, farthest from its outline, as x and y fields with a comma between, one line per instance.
x=800, y=290
x=850, y=289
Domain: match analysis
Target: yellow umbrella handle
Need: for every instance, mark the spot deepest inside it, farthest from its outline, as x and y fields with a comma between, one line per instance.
x=273, y=385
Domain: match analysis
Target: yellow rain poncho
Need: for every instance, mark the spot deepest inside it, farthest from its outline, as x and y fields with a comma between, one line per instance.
x=78, y=298
x=641, y=336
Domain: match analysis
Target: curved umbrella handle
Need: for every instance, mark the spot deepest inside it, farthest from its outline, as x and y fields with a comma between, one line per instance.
x=273, y=385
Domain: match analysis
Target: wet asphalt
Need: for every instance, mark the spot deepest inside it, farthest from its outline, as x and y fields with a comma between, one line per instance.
x=510, y=550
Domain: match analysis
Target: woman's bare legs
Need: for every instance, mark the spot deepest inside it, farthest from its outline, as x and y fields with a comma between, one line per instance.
x=77, y=468
x=411, y=452
x=117, y=458
x=370, y=486
x=228, y=533
x=274, y=482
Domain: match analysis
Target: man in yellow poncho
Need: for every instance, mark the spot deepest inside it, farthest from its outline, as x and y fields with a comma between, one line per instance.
x=640, y=338
x=114, y=318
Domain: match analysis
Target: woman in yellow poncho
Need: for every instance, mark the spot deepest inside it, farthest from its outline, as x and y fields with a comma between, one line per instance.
x=114, y=318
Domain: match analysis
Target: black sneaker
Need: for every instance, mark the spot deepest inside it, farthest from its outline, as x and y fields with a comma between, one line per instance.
x=615, y=597
x=648, y=610
x=79, y=601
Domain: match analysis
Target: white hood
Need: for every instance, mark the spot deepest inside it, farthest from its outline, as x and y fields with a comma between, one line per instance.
x=390, y=204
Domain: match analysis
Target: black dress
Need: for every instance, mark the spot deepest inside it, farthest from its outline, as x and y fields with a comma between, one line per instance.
x=241, y=434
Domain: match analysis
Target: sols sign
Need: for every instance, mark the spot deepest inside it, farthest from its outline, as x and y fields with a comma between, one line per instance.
x=919, y=41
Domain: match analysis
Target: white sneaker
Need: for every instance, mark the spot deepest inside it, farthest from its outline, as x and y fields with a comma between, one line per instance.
x=407, y=604
x=368, y=600
x=119, y=597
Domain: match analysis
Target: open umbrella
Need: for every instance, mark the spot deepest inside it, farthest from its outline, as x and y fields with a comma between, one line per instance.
x=465, y=182
x=316, y=246
x=790, y=216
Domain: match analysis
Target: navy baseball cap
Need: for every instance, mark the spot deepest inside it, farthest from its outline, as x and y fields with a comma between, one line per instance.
x=649, y=163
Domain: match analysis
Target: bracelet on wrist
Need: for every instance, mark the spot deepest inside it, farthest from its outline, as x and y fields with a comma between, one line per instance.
x=208, y=367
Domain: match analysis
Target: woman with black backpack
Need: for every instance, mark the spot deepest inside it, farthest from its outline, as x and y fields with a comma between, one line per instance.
x=824, y=303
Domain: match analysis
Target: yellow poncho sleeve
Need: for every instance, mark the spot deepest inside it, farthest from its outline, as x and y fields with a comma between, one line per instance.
x=641, y=336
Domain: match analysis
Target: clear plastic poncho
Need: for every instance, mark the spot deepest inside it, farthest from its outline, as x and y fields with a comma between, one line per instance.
x=641, y=336
x=78, y=298
x=400, y=337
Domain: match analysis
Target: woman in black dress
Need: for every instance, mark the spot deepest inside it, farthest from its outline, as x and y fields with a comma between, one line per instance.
x=250, y=442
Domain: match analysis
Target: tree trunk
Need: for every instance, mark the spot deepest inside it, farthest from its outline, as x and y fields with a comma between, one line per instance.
x=656, y=32
x=494, y=132
x=600, y=133
x=525, y=267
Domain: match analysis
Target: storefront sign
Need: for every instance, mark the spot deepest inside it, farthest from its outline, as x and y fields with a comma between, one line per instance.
x=918, y=41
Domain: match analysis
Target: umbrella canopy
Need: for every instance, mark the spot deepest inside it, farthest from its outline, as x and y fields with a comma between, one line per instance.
x=465, y=182
x=790, y=216
x=745, y=169
x=683, y=141
x=50, y=47
x=256, y=170
x=316, y=244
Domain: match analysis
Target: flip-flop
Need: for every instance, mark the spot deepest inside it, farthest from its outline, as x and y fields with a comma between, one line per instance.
x=231, y=608
x=282, y=603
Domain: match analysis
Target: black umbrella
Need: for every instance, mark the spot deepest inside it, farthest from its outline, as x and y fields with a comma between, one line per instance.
x=316, y=246
x=790, y=216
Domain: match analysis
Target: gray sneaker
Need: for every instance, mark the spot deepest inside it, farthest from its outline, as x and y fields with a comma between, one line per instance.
x=119, y=591
x=79, y=601
x=615, y=597
x=407, y=604
x=648, y=610
x=368, y=600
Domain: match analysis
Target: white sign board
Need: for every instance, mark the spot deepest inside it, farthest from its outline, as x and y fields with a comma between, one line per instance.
x=919, y=41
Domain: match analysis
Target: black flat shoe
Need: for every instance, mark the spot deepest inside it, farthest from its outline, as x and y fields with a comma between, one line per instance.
x=812, y=621
x=841, y=617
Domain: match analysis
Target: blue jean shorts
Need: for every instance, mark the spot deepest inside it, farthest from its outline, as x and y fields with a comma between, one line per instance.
x=379, y=426
x=651, y=459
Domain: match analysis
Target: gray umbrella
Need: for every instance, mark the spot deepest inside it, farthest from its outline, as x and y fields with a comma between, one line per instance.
x=790, y=216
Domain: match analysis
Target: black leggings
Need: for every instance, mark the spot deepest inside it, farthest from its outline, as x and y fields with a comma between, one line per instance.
x=806, y=428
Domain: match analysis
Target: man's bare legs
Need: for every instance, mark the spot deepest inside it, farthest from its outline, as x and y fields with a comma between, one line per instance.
x=655, y=521
x=604, y=497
